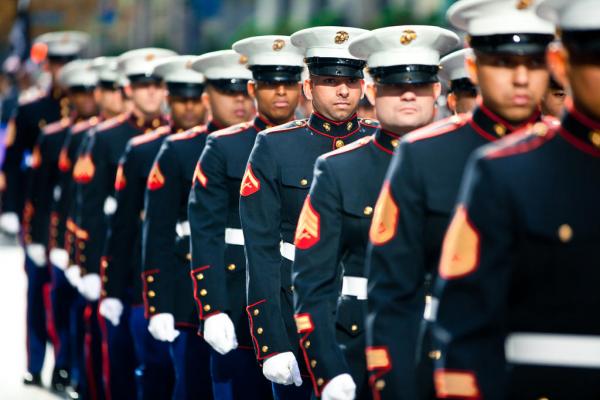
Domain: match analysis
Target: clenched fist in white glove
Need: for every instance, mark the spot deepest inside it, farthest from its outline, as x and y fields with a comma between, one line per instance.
x=283, y=369
x=111, y=308
x=73, y=275
x=162, y=327
x=219, y=333
x=90, y=286
x=342, y=387
x=59, y=258
x=9, y=223
x=36, y=253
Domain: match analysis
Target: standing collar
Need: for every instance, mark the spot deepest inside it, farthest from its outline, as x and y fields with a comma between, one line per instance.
x=386, y=141
x=212, y=126
x=329, y=128
x=261, y=123
x=147, y=124
x=581, y=131
x=492, y=127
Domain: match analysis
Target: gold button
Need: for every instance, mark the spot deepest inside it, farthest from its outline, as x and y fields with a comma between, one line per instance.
x=543, y=398
x=259, y=331
x=82, y=258
x=104, y=278
x=256, y=312
x=500, y=130
x=304, y=182
x=104, y=264
x=203, y=292
x=231, y=267
x=292, y=288
x=152, y=309
x=307, y=344
x=565, y=233
x=595, y=138
x=326, y=126
x=103, y=293
x=379, y=384
x=349, y=126
x=156, y=123
x=368, y=121
x=188, y=256
x=395, y=143
x=265, y=349
x=206, y=307
x=81, y=245
x=435, y=354
x=540, y=129
x=368, y=210
x=354, y=328
x=200, y=276
x=313, y=363
x=320, y=381
x=150, y=279
x=299, y=122
x=339, y=143
x=151, y=293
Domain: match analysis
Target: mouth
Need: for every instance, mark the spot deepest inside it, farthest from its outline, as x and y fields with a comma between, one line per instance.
x=521, y=99
x=239, y=112
x=281, y=104
x=408, y=110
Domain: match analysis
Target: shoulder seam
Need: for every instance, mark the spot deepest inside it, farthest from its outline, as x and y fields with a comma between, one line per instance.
x=437, y=128
x=360, y=143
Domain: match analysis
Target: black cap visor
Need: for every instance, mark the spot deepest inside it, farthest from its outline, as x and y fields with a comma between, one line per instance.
x=185, y=89
x=233, y=85
x=404, y=74
x=276, y=73
x=511, y=44
x=343, y=67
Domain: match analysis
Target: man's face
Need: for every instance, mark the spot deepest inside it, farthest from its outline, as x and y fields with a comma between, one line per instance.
x=187, y=112
x=110, y=101
x=511, y=86
x=148, y=97
x=229, y=108
x=54, y=67
x=84, y=103
x=402, y=108
x=335, y=98
x=276, y=101
x=553, y=102
x=583, y=74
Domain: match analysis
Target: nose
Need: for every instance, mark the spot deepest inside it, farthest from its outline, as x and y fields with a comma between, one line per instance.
x=280, y=90
x=521, y=75
x=408, y=95
x=343, y=90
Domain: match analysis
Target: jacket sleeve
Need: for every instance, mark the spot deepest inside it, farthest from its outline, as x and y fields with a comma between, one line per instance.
x=124, y=227
x=161, y=209
x=395, y=268
x=91, y=202
x=207, y=212
x=260, y=213
x=316, y=276
x=474, y=275
x=39, y=194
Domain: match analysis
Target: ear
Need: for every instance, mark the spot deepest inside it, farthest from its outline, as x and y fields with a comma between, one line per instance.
x=97, y=95
x=557, y=59
x=307, y=87
x=451, y=102
x=251, y=86
x=471, y=67
x=363, y=88
x=206, y=100
x=437, y=90
x=371, y=93
x=128, y=91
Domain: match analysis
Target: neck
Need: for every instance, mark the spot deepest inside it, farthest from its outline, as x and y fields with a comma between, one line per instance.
x=332, y=119
x=147, y=116
x=274, y=121
x=586, y=112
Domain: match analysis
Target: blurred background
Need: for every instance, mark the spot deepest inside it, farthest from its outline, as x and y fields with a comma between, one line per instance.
x=197, y=26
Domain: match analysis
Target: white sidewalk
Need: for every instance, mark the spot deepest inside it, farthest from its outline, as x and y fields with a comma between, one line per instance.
x=13, y=286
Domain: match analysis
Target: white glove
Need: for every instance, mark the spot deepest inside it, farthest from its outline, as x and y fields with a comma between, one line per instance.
x=90, y=286
x=110, y=206
x=162, y=327
x=73, y=275
x=283, y=369
x=219, y=333
x=37, y=253
x=111, y=308
x=59, y=258
x=342, y=387
x=9, y=223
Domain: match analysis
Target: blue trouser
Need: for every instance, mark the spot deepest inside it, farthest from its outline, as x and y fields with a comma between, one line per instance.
x=154, y=373
x=191, y=359
x=237, y=375
x=63, y=295
x=77, y=335
x=119, y=359
x=293, y=392
x=37, y=331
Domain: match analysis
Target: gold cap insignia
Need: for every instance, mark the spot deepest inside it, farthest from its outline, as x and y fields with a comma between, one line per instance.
x=341, y=37
x=243, y=59
x=524, y=4
x=278, y=44
x=150, y=57
x=188, y=65
x=408, y=36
